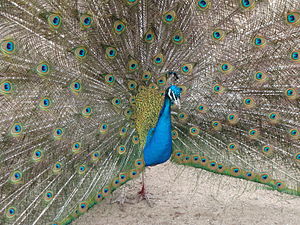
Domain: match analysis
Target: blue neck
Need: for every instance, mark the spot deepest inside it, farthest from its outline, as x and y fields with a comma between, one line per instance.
x=158, y=148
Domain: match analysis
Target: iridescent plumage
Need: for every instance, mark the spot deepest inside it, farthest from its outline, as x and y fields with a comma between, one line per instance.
x=84, y=90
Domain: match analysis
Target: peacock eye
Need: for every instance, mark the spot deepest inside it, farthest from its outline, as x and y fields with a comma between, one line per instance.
x=80, y=52
x=7, y=47
x=178, y=37
x=295, y=56
x=217, y=35
x=45, y=103
x=119, y=27
x=259, y=76
x=149, y=37
x=109, y=79
x=291, y=93
x=258, y=41
x=169, y=17
x=76, y=85
x=217, y=88
x=58, y=133
x=133, y=65
x=293, y=18
x=185, y=69
x=225, y=67
x=158, y=59
x=11, y=212
x=110, y=52
x=247, y=4
x=55, y=21
x=86, y=111
x=204, y=4
x=86, y=21
x=16, y=177
x=5, y=87
x=43, y=69
x=16, y=129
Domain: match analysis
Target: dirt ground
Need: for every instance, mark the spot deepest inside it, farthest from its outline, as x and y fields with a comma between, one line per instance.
x=184, y=195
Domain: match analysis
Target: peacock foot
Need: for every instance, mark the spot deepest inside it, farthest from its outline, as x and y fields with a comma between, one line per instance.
x=143, y=195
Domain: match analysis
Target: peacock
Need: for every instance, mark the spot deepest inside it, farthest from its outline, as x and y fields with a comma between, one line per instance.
x=94, y=91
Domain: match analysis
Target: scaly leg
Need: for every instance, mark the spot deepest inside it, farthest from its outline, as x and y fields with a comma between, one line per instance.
x=143, y=194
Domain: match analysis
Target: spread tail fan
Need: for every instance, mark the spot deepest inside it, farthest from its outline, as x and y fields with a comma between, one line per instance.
x=86, y=86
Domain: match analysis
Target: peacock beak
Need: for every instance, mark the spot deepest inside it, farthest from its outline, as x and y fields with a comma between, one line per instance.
x=177, y=102
x=176, y=99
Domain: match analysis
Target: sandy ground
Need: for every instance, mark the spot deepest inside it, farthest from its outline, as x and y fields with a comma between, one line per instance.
x=184, y=195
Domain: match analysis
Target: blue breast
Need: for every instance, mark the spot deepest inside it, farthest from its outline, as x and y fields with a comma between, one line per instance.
x=158, y=147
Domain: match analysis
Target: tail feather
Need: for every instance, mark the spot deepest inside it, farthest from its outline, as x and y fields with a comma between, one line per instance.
x=243, y=111
x=71, y=72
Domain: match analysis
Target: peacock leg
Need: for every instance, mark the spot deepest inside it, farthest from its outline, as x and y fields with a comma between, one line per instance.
x=143, y=194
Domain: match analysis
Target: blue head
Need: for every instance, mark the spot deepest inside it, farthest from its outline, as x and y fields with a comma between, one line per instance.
x=173, y=92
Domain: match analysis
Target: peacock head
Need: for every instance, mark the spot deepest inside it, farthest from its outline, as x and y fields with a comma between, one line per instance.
x=173, y=92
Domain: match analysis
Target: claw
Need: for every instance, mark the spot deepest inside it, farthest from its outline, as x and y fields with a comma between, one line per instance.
x=144, y=195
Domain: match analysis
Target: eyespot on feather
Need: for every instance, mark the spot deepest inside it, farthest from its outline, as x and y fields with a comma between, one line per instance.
x=111, y=53
x=103, y=128
x=86, y=21
x=106, y=191
x=54, y=21
x=249, y=103
x=292, y=18
x=253, y=134
x=218, y=35
x=43, y=69
x=119, y=27
x=16, y=177
x=233, y=146
x=8, y=46
x=260, y=77
x=169, y=17
x=203, y=5
x=133, y=65
x=247, y=4
x=6, y=87
x=17, y=129
x=11, y=212
x=159, y=59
